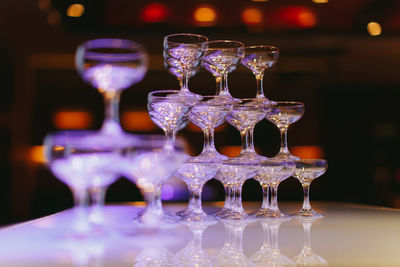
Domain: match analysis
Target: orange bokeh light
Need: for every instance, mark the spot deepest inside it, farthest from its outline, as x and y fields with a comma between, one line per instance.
x=137, y=120
x=75, y=10
x=308, y=152
x=72, y=119
x=205, y=15
x=154, y=12
x=252, y=16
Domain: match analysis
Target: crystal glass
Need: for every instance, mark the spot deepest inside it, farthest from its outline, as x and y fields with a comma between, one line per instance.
x=195, y=173
x=186, y=49
x=193, y=254
x=246, y=113
x=232, y=174
x=169, y=109
x=306, y=171
x=269, y=253
x=231, y=253
x=111, y=66
x=258, y=58
x=154, y=256
x=222, y=56
x=307, y=256
x=82, y=161
x=283, y=114
x=208, y=113
x=217, y=75
x=173, y=67
x=149, y=163
x=270, y=173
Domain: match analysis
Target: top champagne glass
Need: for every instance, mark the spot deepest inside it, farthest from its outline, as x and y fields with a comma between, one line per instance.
x=187, y=49
x=258, y=58
x=111, y=66
x=222, y=56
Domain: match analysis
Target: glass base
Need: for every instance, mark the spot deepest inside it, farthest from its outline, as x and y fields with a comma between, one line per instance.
x=286, y=156
x=273, y=214
x=189, y=95
x=261, y=213
x=211, y=156
x=156, y=220
x=307, y=214
x=250, y=157
x=192, y=216
x=234, y=215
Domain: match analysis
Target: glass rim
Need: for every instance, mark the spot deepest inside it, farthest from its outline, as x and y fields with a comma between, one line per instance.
x=183, y=99
x=273, y=47
x=308, y=161
x=287, y=103
x=187, y=34
x=238, y=43
x=111, y=43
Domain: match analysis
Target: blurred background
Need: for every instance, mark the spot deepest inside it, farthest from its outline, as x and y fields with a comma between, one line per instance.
x=341, y=58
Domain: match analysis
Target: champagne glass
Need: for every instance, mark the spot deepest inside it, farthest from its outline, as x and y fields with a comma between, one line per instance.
x=173, y=67
x=186, y=49
x=306, y=171
x=272, y=172
x=195, y=173
x=283, y=114
x=234, y=172
x=208, y=113
x=81, y=161
x=222, y=56
x=168, y=109
x=246, y=113
x=111, y=66
x=258, y=58
x=307, y=256
x=149, y=163
x=218, y=77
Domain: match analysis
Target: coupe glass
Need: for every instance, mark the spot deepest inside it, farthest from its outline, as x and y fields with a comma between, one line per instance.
x=82, y=161
x=111, y=66
x=234, y=172
x=169, y=109
x=173, y=67
x=306, y=171
x=217, y=75
x=283, y=114
x=258, y=58
x=209, y=113
x=149, y=163
x=307, y=256
x=246, y=113
x=272, y=172
x=222, y=56
x=187, y=49
x=195, y=173
x=193, y=254
x=231, y=253
x=269, y=253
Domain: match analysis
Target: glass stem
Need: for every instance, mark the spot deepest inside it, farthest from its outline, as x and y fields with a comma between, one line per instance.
x=265, y=190
x=97, y=194
x=81, y=198
x=238, y=198
x=266, y=233
x=284, y=146
x=208, y=140
x=111, y=102
x=307, y=234
x=260, y=90
x=153, y=198
x=218, y=81
x=237, y=233
x=225, y=90
x=195, y=198
x=306, y=202
x=197, y=238
x=247, y=140
x=170, y=135
x=274, y=237
x=185, y=79
x=274, y=197
x=228, y=193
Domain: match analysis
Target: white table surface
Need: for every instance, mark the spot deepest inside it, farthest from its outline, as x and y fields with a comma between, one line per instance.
x=348, y=235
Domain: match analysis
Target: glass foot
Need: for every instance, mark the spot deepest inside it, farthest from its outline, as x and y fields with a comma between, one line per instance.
x=276, y=214
x=286, y=156
x=307, y=214
x=234, y=215
x=191, y=216
x=250, y=157
x=156, y=220
x=211, y=156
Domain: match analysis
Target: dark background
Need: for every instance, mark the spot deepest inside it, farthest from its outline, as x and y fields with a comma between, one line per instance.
x=348, y=79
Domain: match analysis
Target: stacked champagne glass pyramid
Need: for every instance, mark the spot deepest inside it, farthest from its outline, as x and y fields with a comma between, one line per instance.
x=90, y=161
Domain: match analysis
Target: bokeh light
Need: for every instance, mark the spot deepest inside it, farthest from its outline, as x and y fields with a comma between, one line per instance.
x=75, y=10
x=154, y=13
x=374, y=28
x=205, y=15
